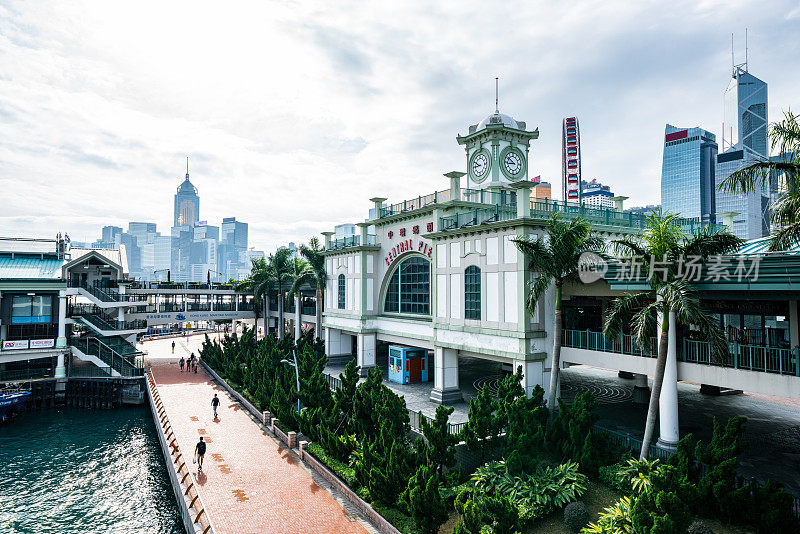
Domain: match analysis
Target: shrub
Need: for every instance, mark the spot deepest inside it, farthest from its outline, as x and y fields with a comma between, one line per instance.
x=440, y=443
x=615, y=519
x=698, y=527
x=608, y=475
x=663, y=507
x=536, y=495
x=470, y=507
x=421, y=498
x=340, y=469
x=525, y=432
x=503, y=514
x=576, y=516
x=570, y=434
x=480, y=430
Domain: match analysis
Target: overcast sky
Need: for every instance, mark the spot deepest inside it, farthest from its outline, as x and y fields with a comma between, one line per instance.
x=295, y=114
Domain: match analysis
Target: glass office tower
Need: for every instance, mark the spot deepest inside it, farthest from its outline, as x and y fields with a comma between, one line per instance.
x=688, y=172
x=744, y=141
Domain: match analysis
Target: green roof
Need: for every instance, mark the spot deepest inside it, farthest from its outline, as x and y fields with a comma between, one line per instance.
x=28, y=267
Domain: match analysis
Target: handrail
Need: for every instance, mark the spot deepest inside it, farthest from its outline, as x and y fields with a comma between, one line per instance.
x=124, y=366
x=176, y=456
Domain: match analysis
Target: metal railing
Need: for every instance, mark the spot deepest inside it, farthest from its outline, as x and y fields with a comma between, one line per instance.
x=478, y=216
x=108, y=325
x=626, y=441
x=103, y=293
x=783, y=361
x=350, y=241
x=90, y=371
x=121, y=364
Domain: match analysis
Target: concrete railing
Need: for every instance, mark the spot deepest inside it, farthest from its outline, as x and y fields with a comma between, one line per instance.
x=193, y=511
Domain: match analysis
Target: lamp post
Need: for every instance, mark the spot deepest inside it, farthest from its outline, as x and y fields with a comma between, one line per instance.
x=155, y=274
x=296, y=375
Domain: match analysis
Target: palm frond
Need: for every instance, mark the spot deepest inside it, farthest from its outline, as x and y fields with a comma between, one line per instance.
x=622, y=309
x=536, y=290
x=785, y=238
x=536, y=252
x=708, y=242
x=644, y=324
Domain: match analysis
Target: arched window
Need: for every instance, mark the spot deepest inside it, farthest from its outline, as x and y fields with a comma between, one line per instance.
x=472, y=293
x=409, y=289
x=341, y=291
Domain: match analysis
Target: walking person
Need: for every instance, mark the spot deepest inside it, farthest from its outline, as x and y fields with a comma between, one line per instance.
x=173, y=346
x=182, y=362
x=200, y=450
x=215, y=404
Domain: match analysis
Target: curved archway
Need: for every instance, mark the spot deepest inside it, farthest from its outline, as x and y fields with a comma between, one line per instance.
x=408, y=289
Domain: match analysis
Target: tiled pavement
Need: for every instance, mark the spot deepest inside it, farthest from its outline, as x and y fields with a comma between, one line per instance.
x=249, y=484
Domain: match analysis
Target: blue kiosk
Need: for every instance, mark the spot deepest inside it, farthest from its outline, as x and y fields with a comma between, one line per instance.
x=408, y=364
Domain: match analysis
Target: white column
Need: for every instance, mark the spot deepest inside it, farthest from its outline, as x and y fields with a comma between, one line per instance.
x=533, y=374
x=61, y=342
x=366, y=352
x=668, y=401
x=445, y=376
x=297, y=318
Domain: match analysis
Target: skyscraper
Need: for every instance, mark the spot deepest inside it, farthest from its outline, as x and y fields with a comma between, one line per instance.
x=187, y=203
x=688, y=173
x=744, y=133
x=571, y=160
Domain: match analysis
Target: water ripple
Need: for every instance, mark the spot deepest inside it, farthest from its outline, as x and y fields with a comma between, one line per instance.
x=80, y=471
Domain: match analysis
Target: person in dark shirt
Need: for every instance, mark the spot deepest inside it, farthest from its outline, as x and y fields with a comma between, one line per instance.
x=200, y=450
x=215, y=404
x=182, y=362
x=173, y=347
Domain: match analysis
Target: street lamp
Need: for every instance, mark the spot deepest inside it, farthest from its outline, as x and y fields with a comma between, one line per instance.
x=296, y=375
x=208, y=275
x=155, y=273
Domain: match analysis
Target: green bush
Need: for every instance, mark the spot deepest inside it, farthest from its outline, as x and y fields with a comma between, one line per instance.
x=608, y=475
x=340, y=469
x=570, y=434
x=422, y=500
x=615, y=519
x=576, y=516
x=662, y=507
x=402, y=522
x=470, y=507
x=481, y=430
x=548, y=489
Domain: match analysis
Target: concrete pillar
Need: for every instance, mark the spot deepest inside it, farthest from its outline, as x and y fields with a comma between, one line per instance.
x=377, y=202
x=794, y=334
x=533, y=375
x=445, y=376
x=455, y=184
x=297, y=318
x=641, y=391
x=61, y=341
x=338, y=346
x=366, y=352
x=619, y=202
x=61, y=369
x=328, y=236
x=668, y=401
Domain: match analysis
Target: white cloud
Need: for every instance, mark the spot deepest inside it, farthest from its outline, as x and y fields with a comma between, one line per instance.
x=295, y=114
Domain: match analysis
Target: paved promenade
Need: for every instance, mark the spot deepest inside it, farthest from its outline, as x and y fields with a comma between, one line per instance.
x=249, y=483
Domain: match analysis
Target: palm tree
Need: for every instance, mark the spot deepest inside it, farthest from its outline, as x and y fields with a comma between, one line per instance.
x=299, y=268
x=316, y=275
x=785, y=212
x=554, y=256
x=281, y=265
x=261, y=282
x=664, y=241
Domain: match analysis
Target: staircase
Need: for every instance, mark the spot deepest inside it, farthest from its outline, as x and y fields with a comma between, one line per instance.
x=105, y=356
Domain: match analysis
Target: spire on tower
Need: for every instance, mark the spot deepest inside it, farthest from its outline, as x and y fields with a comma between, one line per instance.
x=496, y=95
x=187, y=167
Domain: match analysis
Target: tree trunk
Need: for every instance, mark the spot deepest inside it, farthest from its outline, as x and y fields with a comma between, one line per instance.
x=280, y=314
x=266, y=314
x=658, y=380
x=555, y=368
x=318, y=319
x=298, y=317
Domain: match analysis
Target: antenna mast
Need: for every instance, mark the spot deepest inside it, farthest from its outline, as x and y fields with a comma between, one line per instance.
x=733, y=63
x=745, y=50
x=496, y=95
x=187, y=167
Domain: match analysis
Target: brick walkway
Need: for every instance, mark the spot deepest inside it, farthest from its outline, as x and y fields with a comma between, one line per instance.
x=249, y=483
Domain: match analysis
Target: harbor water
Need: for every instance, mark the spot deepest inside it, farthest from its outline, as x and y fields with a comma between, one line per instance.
x=84, y=471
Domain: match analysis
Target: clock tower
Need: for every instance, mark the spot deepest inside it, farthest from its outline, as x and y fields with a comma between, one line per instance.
x=498, y=150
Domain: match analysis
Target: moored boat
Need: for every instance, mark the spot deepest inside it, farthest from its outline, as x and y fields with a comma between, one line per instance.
x=11, y=403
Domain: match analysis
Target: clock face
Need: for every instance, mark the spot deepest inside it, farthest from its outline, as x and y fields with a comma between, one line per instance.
x=480, y=164
x=512, y=163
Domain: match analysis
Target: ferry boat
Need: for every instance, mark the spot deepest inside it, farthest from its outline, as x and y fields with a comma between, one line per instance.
x=11, y=403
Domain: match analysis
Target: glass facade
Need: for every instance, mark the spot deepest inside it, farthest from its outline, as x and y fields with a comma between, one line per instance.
x=472, y=293
x=34, y=309
x=409, y=289
x=744, y=141
x=341, y=292
x=688, y=173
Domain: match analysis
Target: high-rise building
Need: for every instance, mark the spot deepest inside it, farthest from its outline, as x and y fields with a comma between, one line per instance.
x=571, y=160
x=542, y=190
x=688, y=173
x=744, y=132
x=595, y=194
x=110, y=233
x=187, y=203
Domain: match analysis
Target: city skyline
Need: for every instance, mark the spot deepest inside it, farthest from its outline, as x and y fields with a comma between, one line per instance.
x=112, y=113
